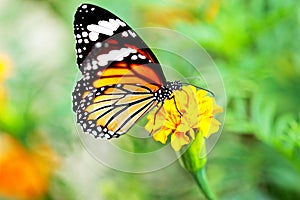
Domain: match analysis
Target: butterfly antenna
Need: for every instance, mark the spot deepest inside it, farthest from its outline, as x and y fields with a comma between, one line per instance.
x=201, y=88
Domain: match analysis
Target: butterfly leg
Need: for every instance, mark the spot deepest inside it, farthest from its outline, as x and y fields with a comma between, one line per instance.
x=156, y=113
x=160, y=106
x=173, y=97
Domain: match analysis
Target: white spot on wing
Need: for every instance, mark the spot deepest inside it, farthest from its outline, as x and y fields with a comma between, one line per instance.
x=98, y=44
x=108, y=25
x=113, y=55
x=104, y=27
x=134, y=57
x=132, y=33
x=120, y=22
x=141, y=56
x=88, y=67
x=93, y=36
x=84, y=34
x=125, y=34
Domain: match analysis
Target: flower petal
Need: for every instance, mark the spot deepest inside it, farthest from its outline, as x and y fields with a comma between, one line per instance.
x=178, y=139
x=214, y=127
x=162, y=135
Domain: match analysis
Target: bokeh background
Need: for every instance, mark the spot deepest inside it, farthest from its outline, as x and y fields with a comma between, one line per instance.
x=255, y=45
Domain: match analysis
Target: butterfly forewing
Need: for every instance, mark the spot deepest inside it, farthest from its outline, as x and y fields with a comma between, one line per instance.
x=94, y=25
x=91, y=25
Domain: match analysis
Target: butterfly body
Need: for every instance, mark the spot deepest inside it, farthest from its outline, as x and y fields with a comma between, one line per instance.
x=122, y=79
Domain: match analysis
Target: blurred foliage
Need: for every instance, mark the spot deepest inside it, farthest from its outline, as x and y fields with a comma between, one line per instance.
x=256, y=47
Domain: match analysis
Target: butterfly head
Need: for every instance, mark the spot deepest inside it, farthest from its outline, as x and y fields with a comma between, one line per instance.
x=174, y=85
x=165, y=92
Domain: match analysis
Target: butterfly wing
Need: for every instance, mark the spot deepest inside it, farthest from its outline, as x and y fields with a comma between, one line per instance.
x=120, y=73
x=111, y=110
x=93, y=25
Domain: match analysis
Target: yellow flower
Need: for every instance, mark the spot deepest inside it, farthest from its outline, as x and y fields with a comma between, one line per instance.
x=24, y=174
x=197, y=109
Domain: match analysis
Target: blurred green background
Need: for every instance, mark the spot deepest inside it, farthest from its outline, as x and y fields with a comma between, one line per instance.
x=256, y=46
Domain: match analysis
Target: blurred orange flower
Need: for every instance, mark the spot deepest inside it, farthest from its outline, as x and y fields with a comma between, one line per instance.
x=197, y=109
x=24, y=174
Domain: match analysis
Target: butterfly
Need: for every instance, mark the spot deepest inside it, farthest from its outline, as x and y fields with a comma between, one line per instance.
x=122, y=79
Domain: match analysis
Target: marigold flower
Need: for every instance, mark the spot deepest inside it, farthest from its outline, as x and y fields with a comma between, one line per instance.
x=197, y=109
x=24, y=174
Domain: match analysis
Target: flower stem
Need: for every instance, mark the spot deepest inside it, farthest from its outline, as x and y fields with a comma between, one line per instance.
x=200, y=178
x=194, y=161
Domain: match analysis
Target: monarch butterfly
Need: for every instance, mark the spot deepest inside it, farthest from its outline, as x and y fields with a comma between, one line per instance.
x=122, y=79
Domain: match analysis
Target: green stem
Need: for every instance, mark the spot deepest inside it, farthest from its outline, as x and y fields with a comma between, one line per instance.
x=200, y=178
x=194, y=160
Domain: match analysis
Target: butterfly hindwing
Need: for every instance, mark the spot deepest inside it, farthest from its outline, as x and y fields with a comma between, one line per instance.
x=111, y=110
